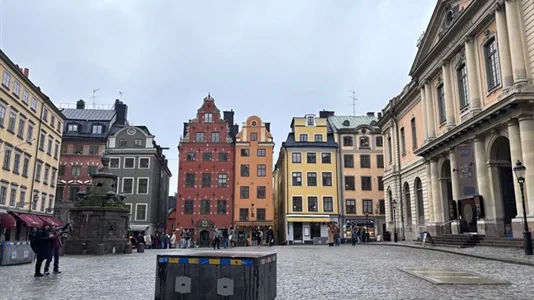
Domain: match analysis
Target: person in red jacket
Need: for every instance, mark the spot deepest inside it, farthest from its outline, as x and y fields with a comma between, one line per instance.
x=55, y=242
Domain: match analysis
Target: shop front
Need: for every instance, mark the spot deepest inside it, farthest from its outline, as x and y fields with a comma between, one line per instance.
x=245, y=232
x=366, y=226
x=308, y=229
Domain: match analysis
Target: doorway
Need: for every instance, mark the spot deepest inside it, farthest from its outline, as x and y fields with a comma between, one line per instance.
x=297, y=232
x=204, y=240
x=446, y=191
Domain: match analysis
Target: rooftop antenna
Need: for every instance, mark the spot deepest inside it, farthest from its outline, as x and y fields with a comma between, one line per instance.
x=354, y=99
x=94, y=97
x=120, y=95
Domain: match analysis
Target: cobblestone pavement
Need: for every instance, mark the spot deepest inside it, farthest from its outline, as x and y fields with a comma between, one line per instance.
x=304, y=272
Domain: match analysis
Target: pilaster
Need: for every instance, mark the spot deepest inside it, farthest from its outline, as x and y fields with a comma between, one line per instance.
x=430, y=111
x=504, y=46
x=428, y=187
x=483, y=177
x=516, y=154
x=437, y=201
x=423, y=108
x=447, y=89
x=472, y=75
x=514, y=23
x=526, y=128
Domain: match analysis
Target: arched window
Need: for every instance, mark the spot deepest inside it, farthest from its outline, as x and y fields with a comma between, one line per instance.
x=408, y=202
x=419, y=201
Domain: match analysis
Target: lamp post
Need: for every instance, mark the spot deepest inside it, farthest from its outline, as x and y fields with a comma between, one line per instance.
x=519, y=171
x=395, y=235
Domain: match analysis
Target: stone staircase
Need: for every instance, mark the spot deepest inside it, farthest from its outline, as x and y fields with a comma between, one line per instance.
x=468, y=240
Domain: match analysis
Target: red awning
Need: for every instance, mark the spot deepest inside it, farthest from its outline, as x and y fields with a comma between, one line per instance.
x=52, y=220
x=7, y=221
x=29, y=220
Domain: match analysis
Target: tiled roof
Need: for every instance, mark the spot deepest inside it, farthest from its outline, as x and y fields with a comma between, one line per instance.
x=89, y=114
x=337, y=122
x=290, y=142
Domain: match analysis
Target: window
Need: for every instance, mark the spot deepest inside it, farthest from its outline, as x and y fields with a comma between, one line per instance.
x=188, y=207
x=463, y=88
x=16, y=163
x=326, y=158
x=58, y=126
x=348, y=161
x=380, y=183
x=12, y=121
x=29, y=137
x=243, y=214
x=61, y=171
x=93, y=150
x=38, y=170
x=46, y=174
x=350, y=184
x=3, y=195
x=144, y=163
x=441, y=104
x=253, y=136
x=380, y=161
x=244, y=192
x=382, y=206
x=318, y=138
x=98, y=129
x=262, y=153
x=34, y=104
x=73, y=192
x=222, y=180
x=129, y=162
x=114, y=163
x=50, y=143
x=45, y=114
x=127, y=185
x=312, y=204
x=7, y=159
x=296, y=157
x=140, y=212
x=16, y=88
x=206, y=156
x=364, y=142
x=189, y=180
x=191, y=156
x=245, y=152
x=351, y=206
x=245, y=170
x=297, y=178
x=123, y=143
x=56, y=150
x=303, y=138
x=261, y=192
x=22, y=125
x=35, y=201
x=215, y=137
x=366, y=183
x=310, y=120
x=2, y=114
x=414, y=133
x=6, y=79
x=348, y=141
x=25, y=166
x=72, y=128
x=206, y=180
x=221, y=207
x=365, y=161
x=262, y=170
x=208, y=118
x=403, y=141
x=142, y=186
x=327, y=178
x=390, y=151
x=297, y=203
x=43, y=202
x=78, y=149
x=379, y=141
x=311, y=179
x=13, y=197
x=328, y=204
x=311, y=157
x=367, y=206
x=261, y=212
x=199, y=137
x=493, y=68
x=223, y=156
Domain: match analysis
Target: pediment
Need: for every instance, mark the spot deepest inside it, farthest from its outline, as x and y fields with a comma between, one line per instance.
x=445, y=15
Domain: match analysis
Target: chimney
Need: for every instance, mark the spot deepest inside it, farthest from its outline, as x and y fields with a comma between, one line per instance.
x=26, y=72
x=235, y=130
x=121, y=112
x=80, y=104
x=268, y=126
x=186, y=126
x=325, y=114
x=371, y=114
x=379, y=115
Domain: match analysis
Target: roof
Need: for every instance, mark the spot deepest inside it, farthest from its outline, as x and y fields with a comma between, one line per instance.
x=338, y=122
x=290, y=142
x=89, y=114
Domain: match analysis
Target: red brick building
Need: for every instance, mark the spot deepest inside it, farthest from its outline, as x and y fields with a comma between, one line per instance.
x=205, y=195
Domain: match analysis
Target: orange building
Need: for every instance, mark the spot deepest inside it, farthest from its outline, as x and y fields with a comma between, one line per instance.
x=253, y=195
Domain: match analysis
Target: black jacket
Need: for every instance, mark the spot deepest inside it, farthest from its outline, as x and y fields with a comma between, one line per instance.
x=42, y=243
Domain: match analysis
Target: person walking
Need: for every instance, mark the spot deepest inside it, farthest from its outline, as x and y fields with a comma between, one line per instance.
x=42, y=246
x=55, y=243
x=330, y=235
x=173, y=240
x=270, y=236
x=259, y=236
x=225, y=236
x=231, y=235
x=216, y=238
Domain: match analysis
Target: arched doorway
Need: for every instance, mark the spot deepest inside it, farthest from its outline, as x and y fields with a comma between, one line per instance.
x=408, y=201
x=418, y=185
x=204, y=240
x=446, y=191
x=504, y=184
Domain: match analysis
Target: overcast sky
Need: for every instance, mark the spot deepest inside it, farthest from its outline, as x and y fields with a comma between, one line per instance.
x=276, y=59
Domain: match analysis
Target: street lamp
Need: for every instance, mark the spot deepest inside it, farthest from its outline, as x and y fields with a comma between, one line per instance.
x=395, y=235
x=519, y=171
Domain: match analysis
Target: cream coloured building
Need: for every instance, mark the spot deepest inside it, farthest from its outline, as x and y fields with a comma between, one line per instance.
x=471, y=98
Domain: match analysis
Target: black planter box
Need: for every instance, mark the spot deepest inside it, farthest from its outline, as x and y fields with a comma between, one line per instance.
x=203, y=275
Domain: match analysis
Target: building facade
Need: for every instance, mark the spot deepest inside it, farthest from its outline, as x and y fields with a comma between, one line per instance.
x=473, y=73
x=143, y=176
x=360, y=172
x=206, y=173
x=307, y=175
x=30, y=139
x=253, y=188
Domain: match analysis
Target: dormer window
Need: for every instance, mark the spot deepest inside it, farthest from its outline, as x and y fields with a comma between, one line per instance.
x=208, y=118
x=303, y=138
x=346, y=123
x=98, y=129
x=72, y=128
x=310, y=120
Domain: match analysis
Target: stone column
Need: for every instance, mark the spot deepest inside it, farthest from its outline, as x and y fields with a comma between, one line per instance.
x=436, y=194
x=526, y=128
x=484, y=188
x=430, y=111
x=424, y=113
x=430, y=201
x=516, y=43
x=515, y=155
x=472, y=75
x=504, y=46
x=455, y=191
x=447, y=89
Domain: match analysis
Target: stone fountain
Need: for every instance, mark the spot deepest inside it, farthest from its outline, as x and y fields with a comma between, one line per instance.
x=99, y=219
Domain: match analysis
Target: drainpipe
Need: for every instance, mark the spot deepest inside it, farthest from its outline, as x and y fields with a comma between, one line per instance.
x=394, y=117
x=35, y=155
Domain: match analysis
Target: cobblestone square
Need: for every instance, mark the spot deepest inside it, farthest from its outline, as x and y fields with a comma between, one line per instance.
x=304, y=272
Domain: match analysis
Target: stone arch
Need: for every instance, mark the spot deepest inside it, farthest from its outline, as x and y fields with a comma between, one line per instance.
x=418, y=190
x=408, y=202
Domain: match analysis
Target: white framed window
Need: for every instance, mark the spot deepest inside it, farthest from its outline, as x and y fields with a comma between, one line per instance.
x=129, y=162
x=114, y=162
x=140, y=212
x=208, y=118
x=129, y=206
x=6, y=79
x=144, y=162
x=45, y=114
x=142, y=185
x=16, y=88
x=34, y=103
x=25, y=96
x=127, y=185
x=72, y=128
x=98, y=129
x=310, y=120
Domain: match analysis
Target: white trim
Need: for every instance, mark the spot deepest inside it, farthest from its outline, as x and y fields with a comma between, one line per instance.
x=133, y=187
x=306, y=120
x=112, y=158
x=147, y=185
x=307, y=216
x=139, y=162
x=307, y=206
x=124, y=162
x=129, y=205
x=118, y=184
x=146, y=211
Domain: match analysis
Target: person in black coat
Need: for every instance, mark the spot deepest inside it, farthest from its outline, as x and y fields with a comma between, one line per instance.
x=42, y=246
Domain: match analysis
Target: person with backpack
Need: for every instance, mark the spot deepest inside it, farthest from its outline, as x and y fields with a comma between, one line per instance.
x=41, y=242
x=55, y=243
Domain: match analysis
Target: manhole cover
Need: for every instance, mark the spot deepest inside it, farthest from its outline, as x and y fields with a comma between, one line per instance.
x=449, y=276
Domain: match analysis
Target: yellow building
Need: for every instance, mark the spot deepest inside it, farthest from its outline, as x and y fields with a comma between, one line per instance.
x=306, y=179
x=31, y=127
